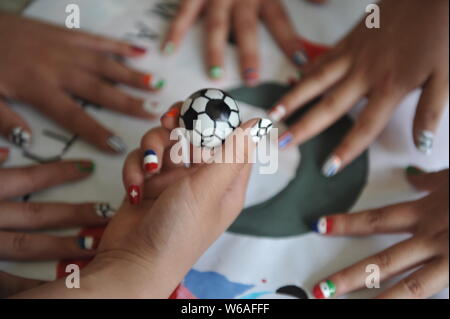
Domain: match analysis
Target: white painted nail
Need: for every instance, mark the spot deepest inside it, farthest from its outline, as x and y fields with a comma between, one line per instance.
x=261, y=129
x=425, y=142
x=277, y=113
x=331, y=166
x=86, y=243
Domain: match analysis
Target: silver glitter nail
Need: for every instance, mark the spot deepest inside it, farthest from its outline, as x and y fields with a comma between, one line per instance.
x=425, y=142
x=104, y=210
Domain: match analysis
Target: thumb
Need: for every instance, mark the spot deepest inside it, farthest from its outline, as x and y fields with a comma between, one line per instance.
x=424, y=181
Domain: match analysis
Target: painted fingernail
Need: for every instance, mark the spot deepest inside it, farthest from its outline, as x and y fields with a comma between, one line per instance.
x=324, y=225
x=325, y=289
x=86, y=243
x=261, y=129
x=285, y=140
x=86, y=167
x=300, y=57
x=425, y=142
x=117, y=144
x=20, y=137
x=4, y=151
x=138, y=50
x=277, y=113
x=175, y=112
x=251, y=77
x=150, y=161
x=215, y=72
x=104, y=210
x=331, y=166
x=154, y=82
x=414, y=171
x=169, y=48
x=134, y=194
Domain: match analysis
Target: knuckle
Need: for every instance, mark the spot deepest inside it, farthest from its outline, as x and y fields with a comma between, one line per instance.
x=414, y=287
x=383, y=260
x=431, y=116
x=20, y=242
x=375, y=219
x=214, y=23
x=33, y=211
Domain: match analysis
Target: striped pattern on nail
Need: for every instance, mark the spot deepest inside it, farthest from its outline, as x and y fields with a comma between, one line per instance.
x=285, y=140
x=261, y=129
x=277, y=113
x=104, y=210
x=154, y=82
x=86, y=243
x=331, y=166
x=324, y=226
x=150, y=161
x=20, y=137
x=325, y=289
x=425, y=142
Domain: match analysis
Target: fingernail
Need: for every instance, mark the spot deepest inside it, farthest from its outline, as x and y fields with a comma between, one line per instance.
x=277, y=113
x=169, y=48
x=413, y=170
x=331, y=166
x=261, y=129
x=215, y=72
x=285, y=139
x=117, y=144
x=324, y=290
x=104, y=210
x=323, y=226
x=251, y=77
x=4, y=151
x=138, y=50
x=20, y=137
x=300, y=57
x=86, y=243
x=175, y=112
x=425, y=142
x=150, y=161
x=154, y=82
x=86, y=167
x=134, y=194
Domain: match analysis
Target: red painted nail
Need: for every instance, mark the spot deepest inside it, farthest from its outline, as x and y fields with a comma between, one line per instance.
x=134, y=194
x=4, y=150
x=138, y=50
x=317, y=292
x=172, y=113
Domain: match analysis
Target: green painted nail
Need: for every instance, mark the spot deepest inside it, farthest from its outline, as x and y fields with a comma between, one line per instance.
x=412, y=170
x=86, y=167
x=160, y=84
x=169, y=48
x=216, y=72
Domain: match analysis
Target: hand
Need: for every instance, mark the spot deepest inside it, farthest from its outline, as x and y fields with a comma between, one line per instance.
x=153, y=241
x=45, y=66
x=376, y=64
x=426, y=219
x=245, y=15
x=18, y=220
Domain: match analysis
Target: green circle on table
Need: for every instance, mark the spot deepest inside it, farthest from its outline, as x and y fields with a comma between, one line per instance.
x=309, y=195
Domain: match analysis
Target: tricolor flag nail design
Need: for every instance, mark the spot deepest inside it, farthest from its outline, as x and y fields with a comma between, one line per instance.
x=300, y=57
x=251, y=77
x=324, y=225
x=277, y=113
x=285, y=140
x=331, y=166
x=104, y=210
x=138, y=50
x=154, y=82
x=425, y=142
x=86, y=243
x=20, y=137
x=150, y=161
x=261, y=129
x=134, y=194
x=325, y=289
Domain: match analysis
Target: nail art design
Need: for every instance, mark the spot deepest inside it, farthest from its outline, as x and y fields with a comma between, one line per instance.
x=175, y=112
x=154, y=82
x=86, y=167
x=251, y=77
x=150, y=161
x=325, y=289
x=86, y=243
x=4, y=151
x=277, y=113
x=169, y=48
x=138, y=50
x=104, y=210
x=285, y=139
x=20, y=137
x=300, y=57
x=134, y=194
x=215, y=72
x=412, y=170
x=261, y=129
x=425, y=142
x=331, y=166
x=324, y=226
x=117, y=144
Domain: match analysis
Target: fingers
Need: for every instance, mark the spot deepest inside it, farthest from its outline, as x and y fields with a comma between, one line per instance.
x=217, y=28
x=245, y=25
x=311, y=86
x=187, y=14
x=283, y=31
x=13, y=127
x=326, y=112
x=25, y=180
x=423, y=283
x=368, y=126
x=34, y=216
x=390, y=262
x=431, y=105
x=426, y=181
x=37, y=247
x=391, y=219
x=11, y=285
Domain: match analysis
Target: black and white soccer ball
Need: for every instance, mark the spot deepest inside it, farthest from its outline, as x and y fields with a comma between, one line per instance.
x=209, y=117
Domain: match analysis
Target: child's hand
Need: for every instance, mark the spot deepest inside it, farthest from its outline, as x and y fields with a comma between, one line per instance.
x=244, y=16
x=409, y=50
x=46, y=66
x=426, y=219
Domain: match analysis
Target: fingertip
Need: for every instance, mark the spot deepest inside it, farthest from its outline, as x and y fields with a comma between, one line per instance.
x=85, y=167
x=170, y=119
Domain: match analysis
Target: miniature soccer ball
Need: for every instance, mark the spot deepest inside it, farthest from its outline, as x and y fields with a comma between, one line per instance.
x=209, y=116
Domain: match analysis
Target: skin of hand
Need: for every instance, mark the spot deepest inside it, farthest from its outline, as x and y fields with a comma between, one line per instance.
x=151, y=244
x=19, y=220
x=408, y=51
x=46, y=66
x=426, y=219
x=242, y=17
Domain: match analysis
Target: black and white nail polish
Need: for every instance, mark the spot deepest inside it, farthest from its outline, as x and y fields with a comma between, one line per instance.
x=105, y=210
x=261, y=129
x=20, y=137
x=86, y=243
x=425, y=142
x=300, y=58
x=117, y=144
